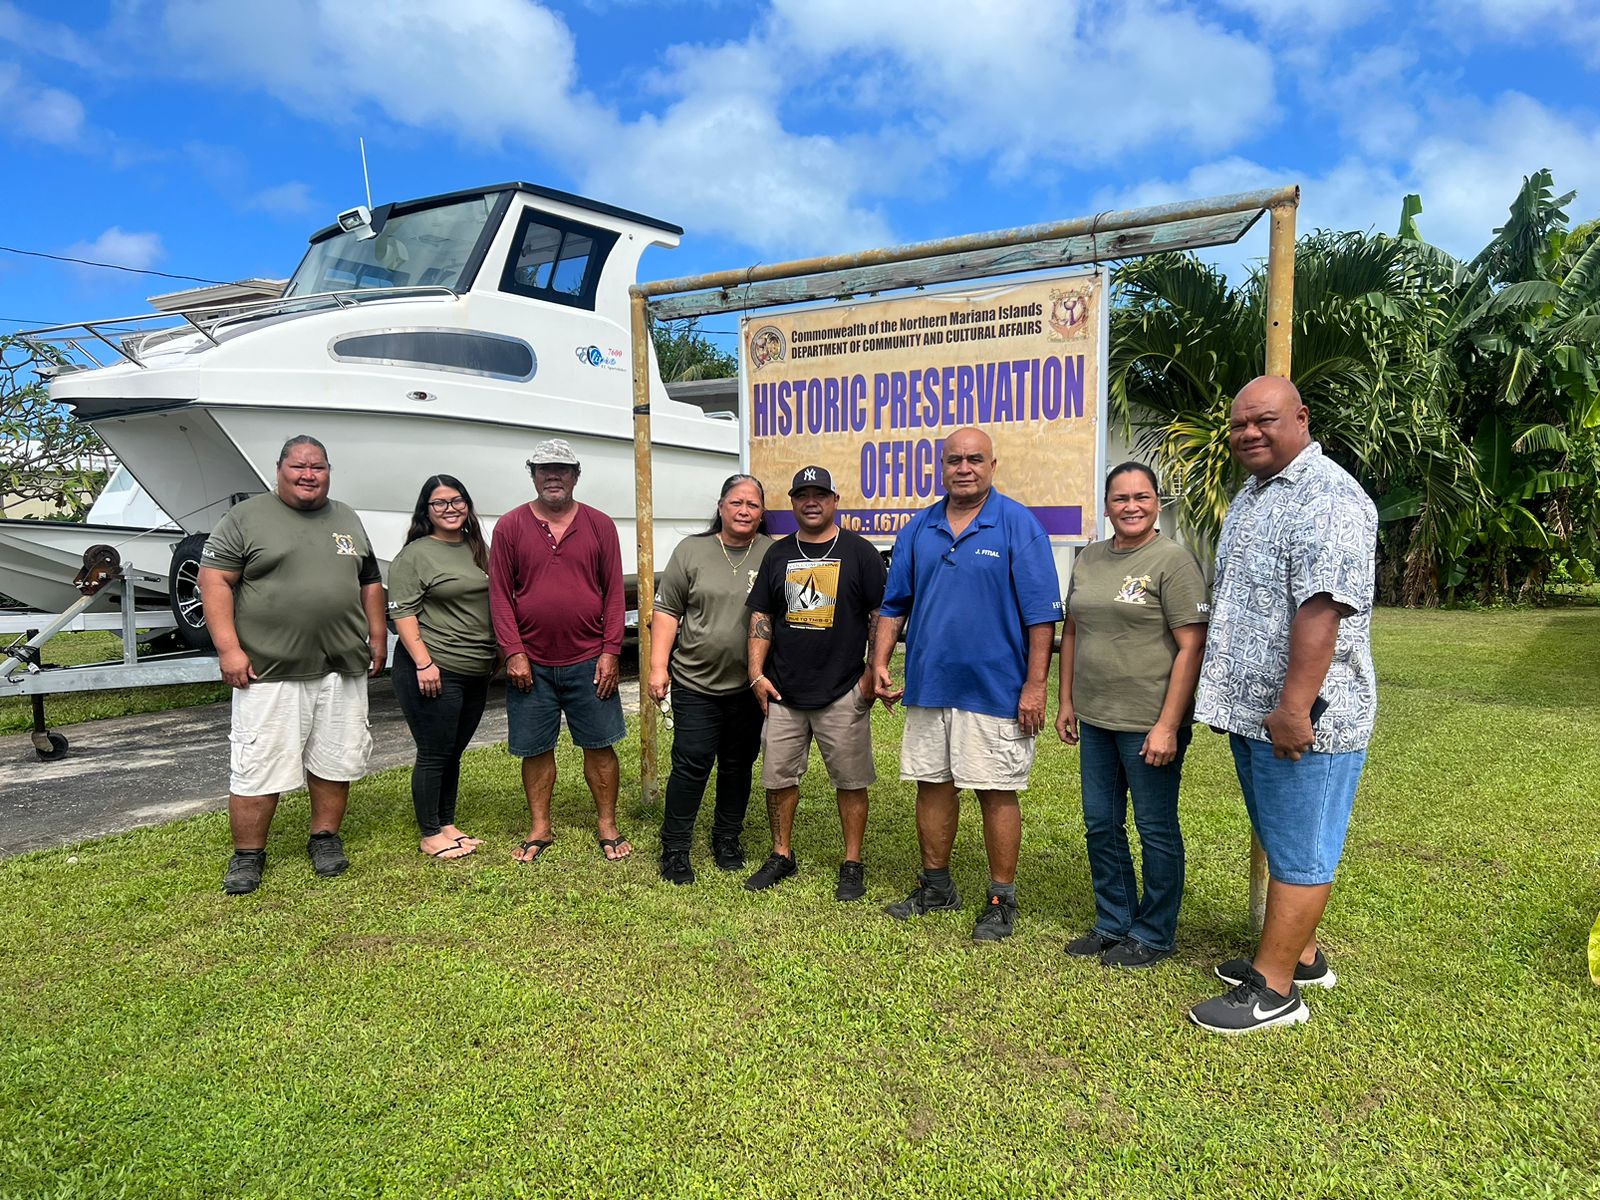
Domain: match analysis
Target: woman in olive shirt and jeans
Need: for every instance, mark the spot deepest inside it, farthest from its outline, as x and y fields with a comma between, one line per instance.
x=439, y=601
x=1130, y=657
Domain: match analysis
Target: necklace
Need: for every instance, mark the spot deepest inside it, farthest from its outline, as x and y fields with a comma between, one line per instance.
x=733, y=566
x=800, y=546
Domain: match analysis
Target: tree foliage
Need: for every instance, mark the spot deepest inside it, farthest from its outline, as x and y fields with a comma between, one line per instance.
x=47, y=456
x=684, y=353
x=1463, y=395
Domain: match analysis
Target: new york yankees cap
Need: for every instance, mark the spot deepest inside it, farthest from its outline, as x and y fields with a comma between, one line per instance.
x=809, y=477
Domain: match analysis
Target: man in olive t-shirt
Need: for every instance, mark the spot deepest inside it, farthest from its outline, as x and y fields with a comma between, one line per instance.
x=294, y=604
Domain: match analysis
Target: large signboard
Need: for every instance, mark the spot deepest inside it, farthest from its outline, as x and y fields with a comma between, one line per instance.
x=870, y=390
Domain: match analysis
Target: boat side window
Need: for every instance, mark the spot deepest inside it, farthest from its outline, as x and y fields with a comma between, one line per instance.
x=555, y=259
x=465, y=351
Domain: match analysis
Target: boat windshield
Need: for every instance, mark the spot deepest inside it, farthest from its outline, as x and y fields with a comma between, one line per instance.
x=421, y=248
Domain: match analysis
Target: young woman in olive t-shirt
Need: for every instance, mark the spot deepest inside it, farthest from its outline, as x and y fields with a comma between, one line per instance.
x=439, y=601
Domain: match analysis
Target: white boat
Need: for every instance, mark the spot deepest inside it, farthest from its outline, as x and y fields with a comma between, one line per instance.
x=446, y=334
x=38, y=559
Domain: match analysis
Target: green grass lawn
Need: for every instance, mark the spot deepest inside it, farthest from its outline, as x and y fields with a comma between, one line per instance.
x=75, y=649
x=581, y=1029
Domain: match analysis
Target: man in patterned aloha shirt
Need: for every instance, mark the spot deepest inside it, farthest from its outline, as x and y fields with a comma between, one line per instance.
x=1288, y=676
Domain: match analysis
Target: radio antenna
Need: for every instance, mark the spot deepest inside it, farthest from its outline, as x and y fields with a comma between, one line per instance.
x=365, y=178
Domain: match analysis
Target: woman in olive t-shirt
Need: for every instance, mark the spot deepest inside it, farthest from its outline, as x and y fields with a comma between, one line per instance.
x=439, y=601
x=1130, y=657
x=698, y=653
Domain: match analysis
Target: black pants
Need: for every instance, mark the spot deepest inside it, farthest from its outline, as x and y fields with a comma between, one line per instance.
x=442, y=726
x=720, y=731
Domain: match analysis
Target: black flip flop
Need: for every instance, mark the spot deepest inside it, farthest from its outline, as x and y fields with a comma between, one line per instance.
x=538, y=845
x=615, y=843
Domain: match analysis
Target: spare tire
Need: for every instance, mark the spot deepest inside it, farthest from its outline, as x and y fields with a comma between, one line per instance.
x=183, y=593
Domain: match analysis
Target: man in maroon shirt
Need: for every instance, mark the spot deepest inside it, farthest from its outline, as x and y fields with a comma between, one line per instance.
x=555, y=595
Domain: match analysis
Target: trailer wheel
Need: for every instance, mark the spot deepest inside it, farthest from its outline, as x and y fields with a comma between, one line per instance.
x=183, y=592
x=58, y=747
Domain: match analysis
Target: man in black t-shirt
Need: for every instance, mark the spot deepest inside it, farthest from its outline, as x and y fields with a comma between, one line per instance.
x=812, y=611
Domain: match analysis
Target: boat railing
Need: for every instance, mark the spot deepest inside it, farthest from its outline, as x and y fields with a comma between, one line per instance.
x=130, y=338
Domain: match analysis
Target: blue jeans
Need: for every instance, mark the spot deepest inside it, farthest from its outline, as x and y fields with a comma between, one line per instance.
x=1110, y=768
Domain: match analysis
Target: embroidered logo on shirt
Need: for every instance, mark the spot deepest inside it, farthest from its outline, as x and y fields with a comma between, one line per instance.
x=343, y=543
x=1135, y=590
x=987, y=552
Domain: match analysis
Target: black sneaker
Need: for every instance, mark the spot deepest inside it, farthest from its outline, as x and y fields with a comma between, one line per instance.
x=243, y=875
x=924, y=900
x=327, y=855
x=852, y=881
x=727, y=853
x=1250, y=1006
x=1318, y=974
x=774, y=871
x=675, y=866
x=996, y=920
x=1133, y=954
x=1091, y=945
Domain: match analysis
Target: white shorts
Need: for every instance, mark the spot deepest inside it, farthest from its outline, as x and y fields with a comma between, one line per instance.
x=971, y=750
x=285, y=728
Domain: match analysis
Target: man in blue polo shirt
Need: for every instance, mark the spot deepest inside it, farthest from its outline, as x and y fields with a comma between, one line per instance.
x=974, y=585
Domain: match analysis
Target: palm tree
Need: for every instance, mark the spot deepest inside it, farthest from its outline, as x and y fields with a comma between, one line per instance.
x=1184, y=343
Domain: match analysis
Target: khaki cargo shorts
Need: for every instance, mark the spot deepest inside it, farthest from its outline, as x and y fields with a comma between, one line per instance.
x=971, y=750
x=843, y=731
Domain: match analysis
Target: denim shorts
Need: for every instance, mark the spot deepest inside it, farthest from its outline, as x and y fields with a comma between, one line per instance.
x=533, y=717
x=1299, y=810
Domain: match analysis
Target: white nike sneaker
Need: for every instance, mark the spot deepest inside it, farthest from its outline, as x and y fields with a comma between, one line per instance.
x=1250, y=1006
x=1318, y=974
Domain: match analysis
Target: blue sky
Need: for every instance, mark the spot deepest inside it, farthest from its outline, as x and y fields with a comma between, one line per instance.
x=210, y=138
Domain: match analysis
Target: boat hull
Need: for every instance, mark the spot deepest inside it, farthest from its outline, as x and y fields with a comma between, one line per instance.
x=196, y=459
x=38, y=560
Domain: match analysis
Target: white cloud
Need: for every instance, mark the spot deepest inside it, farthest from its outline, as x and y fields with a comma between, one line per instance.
x=40, y=113
x=1467, y=176
x=1576, y=22
x=46, y=38
x=119, y=247
x=1317, y=18
x=291, y=199
x=483, y=68
x=1021, y=80
x=490, y=70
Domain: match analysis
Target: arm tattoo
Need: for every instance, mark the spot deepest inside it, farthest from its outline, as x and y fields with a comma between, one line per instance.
x=872, y=628
x=761, y=626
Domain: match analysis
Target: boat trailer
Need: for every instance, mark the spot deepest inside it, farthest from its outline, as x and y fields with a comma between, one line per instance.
x=24, y=672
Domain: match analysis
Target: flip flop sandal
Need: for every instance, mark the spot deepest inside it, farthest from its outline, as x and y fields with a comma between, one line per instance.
x=538, y=846
x=615, y=843
x=444, y=851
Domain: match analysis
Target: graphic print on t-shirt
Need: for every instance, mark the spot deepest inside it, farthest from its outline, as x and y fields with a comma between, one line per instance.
x=1135, y=590
x=811, y=591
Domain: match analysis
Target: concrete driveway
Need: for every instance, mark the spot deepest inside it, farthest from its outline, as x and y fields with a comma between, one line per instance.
x=147, y=769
